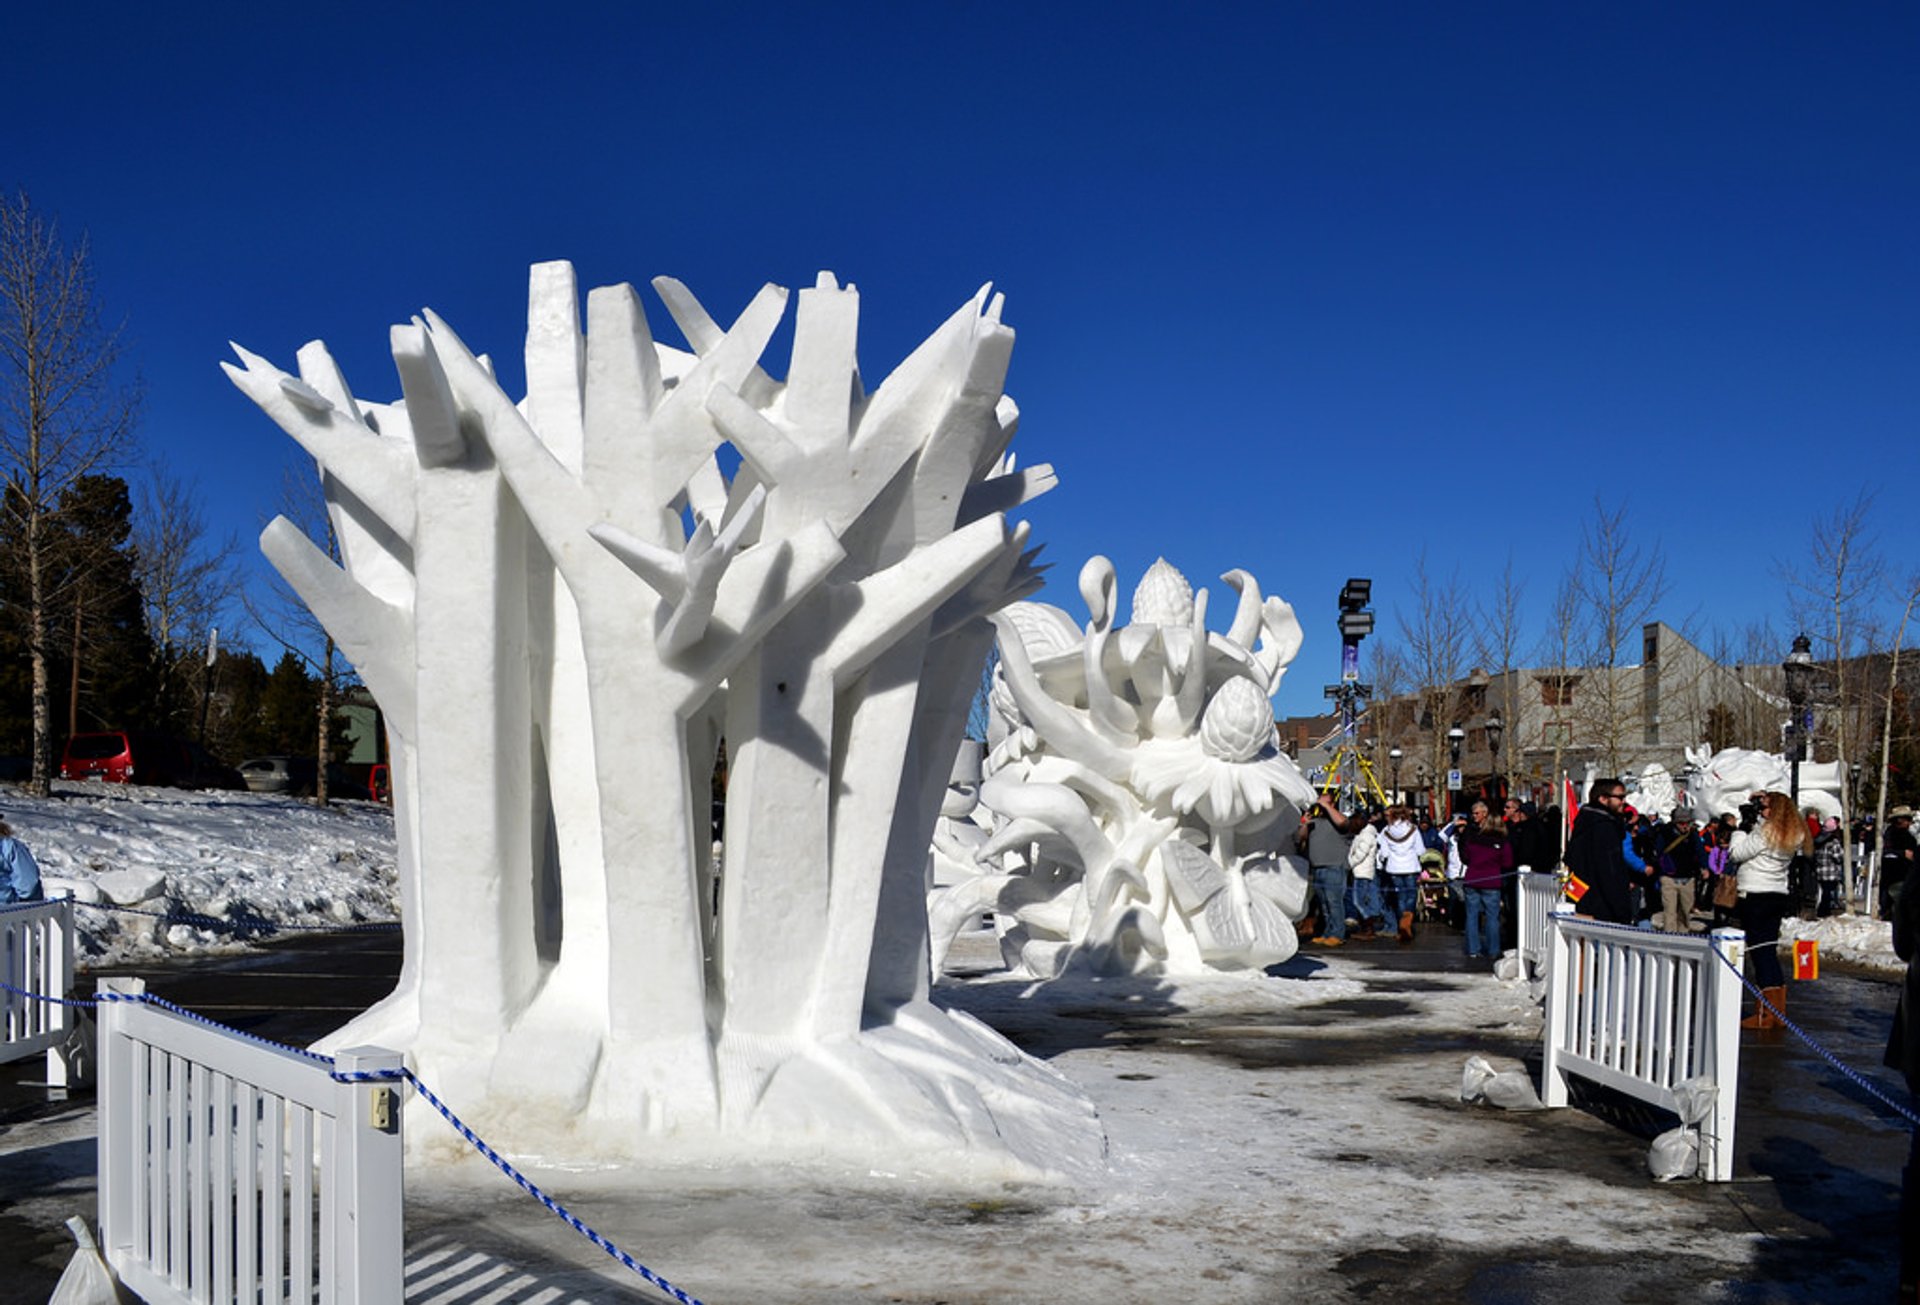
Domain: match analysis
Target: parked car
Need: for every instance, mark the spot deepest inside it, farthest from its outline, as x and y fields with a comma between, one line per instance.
x=144, y=757
x=297, y=776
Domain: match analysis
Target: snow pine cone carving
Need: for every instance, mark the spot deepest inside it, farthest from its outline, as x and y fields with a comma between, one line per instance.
x=1238, y=722
x=1163, y=597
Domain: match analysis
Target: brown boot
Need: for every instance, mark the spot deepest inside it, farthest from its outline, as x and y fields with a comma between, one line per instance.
x=1406, y=926
x=1762, y=1018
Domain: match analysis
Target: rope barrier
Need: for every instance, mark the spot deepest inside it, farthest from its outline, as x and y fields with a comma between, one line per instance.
x=499, y=1161
x=1846, y=1071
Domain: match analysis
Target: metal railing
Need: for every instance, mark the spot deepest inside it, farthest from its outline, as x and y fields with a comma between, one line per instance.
x=36, y=956
x=1642, y=1013
x=232, y=1169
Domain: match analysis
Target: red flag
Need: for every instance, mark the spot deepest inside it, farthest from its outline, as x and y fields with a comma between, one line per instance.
x=1806, y=958
x=1576, y=888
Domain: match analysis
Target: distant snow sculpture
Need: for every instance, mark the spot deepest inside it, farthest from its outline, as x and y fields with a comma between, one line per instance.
x=1725, y=779
x=564, y=605
x=1144, y=812
x=1653, y=793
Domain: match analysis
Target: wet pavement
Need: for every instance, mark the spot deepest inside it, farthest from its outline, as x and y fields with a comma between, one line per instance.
x=1816, y=1175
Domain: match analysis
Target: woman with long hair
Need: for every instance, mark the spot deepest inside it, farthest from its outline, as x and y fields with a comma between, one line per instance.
x=1763, y=854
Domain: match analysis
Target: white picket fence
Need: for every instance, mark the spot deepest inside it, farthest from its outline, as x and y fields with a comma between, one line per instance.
x=1642, y=1013
x=36, y=956
x=235, y=1171
x=1536, y=896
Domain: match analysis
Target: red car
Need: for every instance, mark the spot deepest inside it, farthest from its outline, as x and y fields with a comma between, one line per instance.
x=140, y=757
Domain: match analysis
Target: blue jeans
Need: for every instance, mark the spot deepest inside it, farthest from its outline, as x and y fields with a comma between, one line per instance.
x=1406, y=893
x=1366, y=901
x=1330, y=895
x=1483, y=922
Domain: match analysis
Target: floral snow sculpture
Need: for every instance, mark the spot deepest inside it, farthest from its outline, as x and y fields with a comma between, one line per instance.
x=1145, y=815
x=564, y=604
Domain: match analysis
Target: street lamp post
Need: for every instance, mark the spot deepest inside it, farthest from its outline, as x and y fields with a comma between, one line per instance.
x=1394, y=755
x=1495, y=728
x=1797, y=671
x=1455, y=737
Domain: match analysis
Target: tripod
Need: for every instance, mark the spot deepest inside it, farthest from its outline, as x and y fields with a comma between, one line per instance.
x=1362, y=782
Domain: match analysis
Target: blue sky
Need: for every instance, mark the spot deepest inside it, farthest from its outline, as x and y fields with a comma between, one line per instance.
x=1306, y=289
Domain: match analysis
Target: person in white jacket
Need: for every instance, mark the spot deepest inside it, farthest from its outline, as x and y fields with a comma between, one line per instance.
x=1762, y=855
x=1400, y=849
x=1362, y=860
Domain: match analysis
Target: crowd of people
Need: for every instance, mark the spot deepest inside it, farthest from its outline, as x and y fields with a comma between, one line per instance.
x=1371, y=866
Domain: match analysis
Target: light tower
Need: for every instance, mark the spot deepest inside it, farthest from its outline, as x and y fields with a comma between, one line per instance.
x=1350, y=695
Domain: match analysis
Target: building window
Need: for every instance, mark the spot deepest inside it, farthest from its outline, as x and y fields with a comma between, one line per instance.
x=1557, y=733
x=1556, y=690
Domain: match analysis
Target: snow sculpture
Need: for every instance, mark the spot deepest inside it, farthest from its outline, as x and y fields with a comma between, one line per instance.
x=564, y=605
x=1727, y=778
x=1144, y=812
x=1653, y=793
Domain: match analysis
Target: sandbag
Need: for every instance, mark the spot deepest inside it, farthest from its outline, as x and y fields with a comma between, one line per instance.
x=88, y=1280
x=1674, y=1154
x=1506, y=1089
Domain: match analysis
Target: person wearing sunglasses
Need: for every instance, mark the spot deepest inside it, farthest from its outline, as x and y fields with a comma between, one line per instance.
x=1599, y=882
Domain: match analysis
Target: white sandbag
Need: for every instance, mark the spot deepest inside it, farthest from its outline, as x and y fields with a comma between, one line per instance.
x=1512, y=1089
x=1473, y=1080
x=88, y=1280
x=1507, y=1089
x=1674, y=1154
x=1693, y=1100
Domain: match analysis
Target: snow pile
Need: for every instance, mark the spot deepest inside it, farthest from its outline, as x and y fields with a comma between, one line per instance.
x=1849, y=940
x=247, y=858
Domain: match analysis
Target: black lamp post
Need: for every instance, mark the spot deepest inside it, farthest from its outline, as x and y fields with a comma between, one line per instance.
x=1394, y=755
x=1455, y=737
x=1495, y=727
x=1797, y=671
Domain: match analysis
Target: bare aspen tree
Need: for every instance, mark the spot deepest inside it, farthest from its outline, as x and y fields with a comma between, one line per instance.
x=1435, y=634
x=1832, y=592
x=288, y=622
x=1620, y=585
x=186, y=579
x=64, y=412
x=1558, y=649
x=1498, y=644
x=1911, y=596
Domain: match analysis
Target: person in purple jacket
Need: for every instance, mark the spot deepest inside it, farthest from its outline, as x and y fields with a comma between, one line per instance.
x=1488, y=857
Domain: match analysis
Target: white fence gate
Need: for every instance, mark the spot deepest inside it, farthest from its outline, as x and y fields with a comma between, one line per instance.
x=1536, y=896
x=1642, y=1013
x=36, y=956
x=235, y=1171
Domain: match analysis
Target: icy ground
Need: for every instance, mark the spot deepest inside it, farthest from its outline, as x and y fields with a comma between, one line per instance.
x=243, y=858
x=1295, y=1137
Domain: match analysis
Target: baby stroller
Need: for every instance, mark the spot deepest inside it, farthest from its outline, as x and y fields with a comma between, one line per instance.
x=1433, y=886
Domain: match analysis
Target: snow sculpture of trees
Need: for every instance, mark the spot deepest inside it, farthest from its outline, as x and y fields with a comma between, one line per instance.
x=1144, y=812
x=564, y=605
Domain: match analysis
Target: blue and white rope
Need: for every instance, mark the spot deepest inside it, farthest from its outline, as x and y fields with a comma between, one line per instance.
x=1846, y=1071
x=384, y=1076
